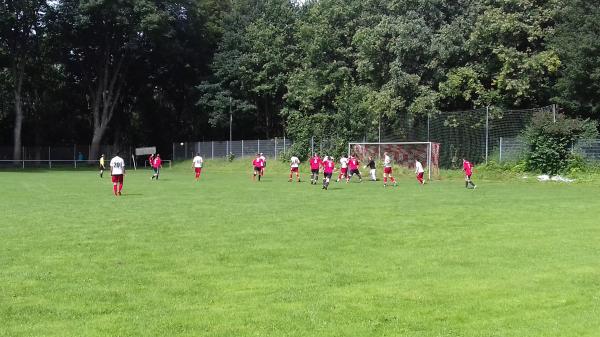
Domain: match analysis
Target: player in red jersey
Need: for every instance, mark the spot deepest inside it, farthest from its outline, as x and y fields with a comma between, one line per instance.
x=151, y=160
x=258, y=165
x=315, y=164
x=353, y=165
x=328, y=167
x=468, y=168
x=156, y=166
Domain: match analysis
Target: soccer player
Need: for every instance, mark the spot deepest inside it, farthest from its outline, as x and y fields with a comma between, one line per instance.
x=419, y=171
x=151, y=160
x=372, y=170
x=353, y=165
x=156, y=166
x=294, y=165
x=117, y=171
x=468, y=168
x=387, y=169
x=257, y=163
x=197, y=165
x=343, y=168
x=101, y=165
x=315, y=164
x=264, y=164
x=328, y=167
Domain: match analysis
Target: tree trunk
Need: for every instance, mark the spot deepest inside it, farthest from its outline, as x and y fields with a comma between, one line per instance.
x=96, y=139
x=105, y=98
x=17, y=149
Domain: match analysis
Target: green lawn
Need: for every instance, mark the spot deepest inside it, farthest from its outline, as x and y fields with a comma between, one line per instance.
x=229, y=257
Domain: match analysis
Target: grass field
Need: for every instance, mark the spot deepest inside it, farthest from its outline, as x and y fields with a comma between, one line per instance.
x=229, y=257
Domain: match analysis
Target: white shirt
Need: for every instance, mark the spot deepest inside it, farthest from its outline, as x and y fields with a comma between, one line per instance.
x=117, y=165
x=344, y=162
x=263, y=158
x=418, y=167
x=387, y=161
x=294, y=161
x=197, y=161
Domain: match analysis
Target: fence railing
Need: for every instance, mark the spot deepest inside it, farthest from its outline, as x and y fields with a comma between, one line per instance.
x=67, y=163
x=238, y=148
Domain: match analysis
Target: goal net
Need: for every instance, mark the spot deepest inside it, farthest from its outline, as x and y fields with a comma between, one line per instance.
x=403, y=154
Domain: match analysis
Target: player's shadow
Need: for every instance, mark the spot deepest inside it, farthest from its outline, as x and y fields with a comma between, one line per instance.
x=132, y=194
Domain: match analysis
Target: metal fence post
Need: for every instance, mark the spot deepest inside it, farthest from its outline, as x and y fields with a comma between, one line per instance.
x=487, y=131
x=500, y=157
x=428, y=134
x=49, y=158
x=554, y=112
x=312, y=145
x=173, y=152
x=258, y=145
x=212, y=149
x=275, y=147
x=284, y=151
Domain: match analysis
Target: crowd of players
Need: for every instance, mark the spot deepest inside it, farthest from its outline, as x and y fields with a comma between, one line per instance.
x=349, y=167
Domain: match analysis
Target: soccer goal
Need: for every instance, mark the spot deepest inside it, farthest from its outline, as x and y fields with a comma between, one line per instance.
x=403, y=154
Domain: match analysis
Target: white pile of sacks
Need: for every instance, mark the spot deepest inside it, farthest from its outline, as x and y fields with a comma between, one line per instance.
x=545, y=177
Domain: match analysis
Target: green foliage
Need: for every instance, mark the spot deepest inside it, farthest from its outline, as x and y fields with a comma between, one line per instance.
x=550, y=141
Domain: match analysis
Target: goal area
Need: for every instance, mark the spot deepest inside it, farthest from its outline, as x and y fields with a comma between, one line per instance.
x=402, y=153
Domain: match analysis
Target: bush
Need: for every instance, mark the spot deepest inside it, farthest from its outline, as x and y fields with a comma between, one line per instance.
x=550, y=141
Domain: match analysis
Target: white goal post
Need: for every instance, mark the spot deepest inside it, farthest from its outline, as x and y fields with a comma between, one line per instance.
x=403, y=153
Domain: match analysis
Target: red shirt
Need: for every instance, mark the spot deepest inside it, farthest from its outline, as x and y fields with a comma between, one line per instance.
x=353, y=164
x=258, y=162
x=157, y=163
x=328, y=166
x=315, y=163
x=467, y=167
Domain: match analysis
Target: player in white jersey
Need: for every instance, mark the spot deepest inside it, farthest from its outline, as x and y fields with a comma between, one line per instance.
x=387, y=169
x=294, y=167
x=117, y=171
x=197, y=163
x=343, y=168
x=419, y=171
x=264, y=160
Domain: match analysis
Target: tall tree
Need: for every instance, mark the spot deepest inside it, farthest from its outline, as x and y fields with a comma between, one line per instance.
x=102, y=38
x=577, y=44
x=21, y=30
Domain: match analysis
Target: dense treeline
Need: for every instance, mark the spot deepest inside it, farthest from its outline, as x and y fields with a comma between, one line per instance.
x=155, y=71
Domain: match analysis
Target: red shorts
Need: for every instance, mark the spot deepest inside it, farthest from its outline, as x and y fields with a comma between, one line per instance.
x=197, y=169
x=294, y=169
x=387, y=170
x=117, y=178
x=420, y=175
x=343, y=170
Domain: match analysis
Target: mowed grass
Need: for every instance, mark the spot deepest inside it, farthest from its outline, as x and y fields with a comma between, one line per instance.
x=229, y=257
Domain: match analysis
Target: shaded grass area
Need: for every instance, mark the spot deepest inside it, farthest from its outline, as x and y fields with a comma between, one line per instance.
x=229, y=257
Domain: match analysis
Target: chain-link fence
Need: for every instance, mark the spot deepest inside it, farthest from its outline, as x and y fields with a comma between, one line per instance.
x=514, y=149
x=235, y=149
x=473, y=134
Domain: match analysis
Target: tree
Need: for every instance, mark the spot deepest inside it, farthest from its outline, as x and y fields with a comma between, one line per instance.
x=21, y=31
x=101, y=40
x=577, y=44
